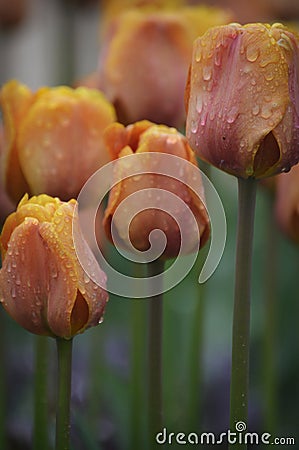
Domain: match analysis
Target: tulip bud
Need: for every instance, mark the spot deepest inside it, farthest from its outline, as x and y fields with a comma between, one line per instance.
x=287, y=203
x=147, y=138
x=53, y=138
x=242, y=99
x=145, y=57
x=42, y=283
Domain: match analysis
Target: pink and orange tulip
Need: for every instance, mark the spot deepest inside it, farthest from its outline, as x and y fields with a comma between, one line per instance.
x=52, y=138
x=145, y=57
x=42, y=283
x=287, y=203
x=242, y=99
x=145, y=137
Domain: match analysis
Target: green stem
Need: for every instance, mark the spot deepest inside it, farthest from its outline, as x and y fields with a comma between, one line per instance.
x=270, y=312
x=241, y=318
x=155, y=318
x=196, y=356
x=3, y=384
x=40, y=432
x=64, y=350
x=137, y=379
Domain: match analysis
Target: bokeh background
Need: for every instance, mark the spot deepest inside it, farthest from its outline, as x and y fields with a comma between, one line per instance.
x=50, y=42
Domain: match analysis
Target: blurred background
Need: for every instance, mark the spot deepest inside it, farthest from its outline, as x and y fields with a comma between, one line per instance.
x=50, y=42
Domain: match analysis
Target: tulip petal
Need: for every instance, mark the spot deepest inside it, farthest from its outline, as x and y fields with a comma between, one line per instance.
x=61, y=124
x=239, y=94
x=155, y=139
x=91, y=285
x=15, y=100
x=153, y=78
x=24, y=283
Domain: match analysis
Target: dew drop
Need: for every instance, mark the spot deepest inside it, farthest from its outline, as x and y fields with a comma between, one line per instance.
x=232, y=114
x=101, y=320
x=207, y=73
x=217, y=59
x=9, y=267
x=198, y=54
x=255, y=110
x=199, y=104
x=269, y=76
x=203, y=120
x=13, y=291
x=194, y=126
x=252, y=53
x=266, y=112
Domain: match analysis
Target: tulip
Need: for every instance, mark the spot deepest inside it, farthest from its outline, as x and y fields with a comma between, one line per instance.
x=42, y=283
x=145, y=57
x=53, y=138
x=13, y=12
x=6, y=205
x=242, y=99
x=144, y=137
x=287, y=203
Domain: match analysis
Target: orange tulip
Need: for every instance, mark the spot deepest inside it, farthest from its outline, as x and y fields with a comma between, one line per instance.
x=145, y=58
x=242, y=99
x=42, y=283
x=145, y=137
x=6, y=205
x=287, y=203
x=53, y=138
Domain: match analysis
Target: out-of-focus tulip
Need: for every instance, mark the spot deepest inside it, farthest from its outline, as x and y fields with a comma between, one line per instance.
x=6, y=205
x=53, y=138
x=12, y=12
x=243, y=100
x=145, y=137
x=42, y=283
x=287, y=203
x=145, y=57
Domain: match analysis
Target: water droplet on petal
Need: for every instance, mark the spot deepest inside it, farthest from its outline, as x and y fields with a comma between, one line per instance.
x=207, y=73
x=203, y=119
x=198, y=54
x=194, y=126
x=232, y=114
x=199, y=104
x=266, y=112
x=13, y=291
x=255, y=110
x=101, y=320
x=252, y=53
x=217, y=59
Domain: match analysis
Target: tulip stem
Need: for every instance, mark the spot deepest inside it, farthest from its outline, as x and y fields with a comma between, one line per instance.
x=40, y=433
x=3, y=381
x=241, y=317
x=270, y=313
x=64, y=351
x=138, y=340
x=155, y=329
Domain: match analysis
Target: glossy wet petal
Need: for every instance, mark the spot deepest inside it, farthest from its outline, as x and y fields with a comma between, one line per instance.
x=61, y=139
x=239, y=99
